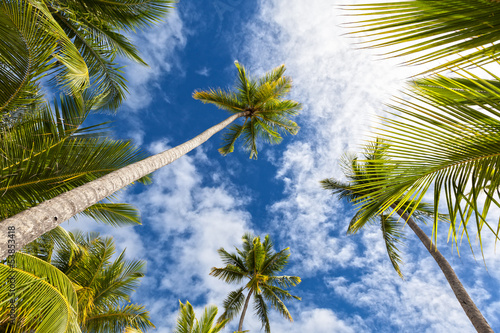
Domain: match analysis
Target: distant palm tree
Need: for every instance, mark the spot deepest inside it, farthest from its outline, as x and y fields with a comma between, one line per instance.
x=258, y=263
x=259, y=101
x=187, y=322
x=103, y=286
x=362, y=176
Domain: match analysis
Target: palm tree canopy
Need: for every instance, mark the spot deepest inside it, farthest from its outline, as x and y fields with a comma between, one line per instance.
x=258, y=264
x=445, y=137
x=267, y=113
x=103, y=286
x=434, y=29
x=47, y=152
x=187, y=322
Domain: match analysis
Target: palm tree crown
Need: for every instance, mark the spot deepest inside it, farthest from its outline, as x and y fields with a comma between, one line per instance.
x=103, y=286
x=261, y=100
x=187, y=322
x=258, y=263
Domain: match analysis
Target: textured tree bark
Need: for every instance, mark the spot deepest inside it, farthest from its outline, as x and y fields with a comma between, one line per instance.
x=240, y=326
x=22, y=228
x=471, y=310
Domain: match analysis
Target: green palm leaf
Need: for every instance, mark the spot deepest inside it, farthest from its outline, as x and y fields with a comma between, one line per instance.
x=31, y=39
x=47, y=153
x=450, y=145
x=45, y=299
x=434, y=29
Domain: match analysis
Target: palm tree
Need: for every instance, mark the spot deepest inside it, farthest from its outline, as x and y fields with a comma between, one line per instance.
x=266, y=115
x=451, y=144
x=103, y=286
x=258, y=263
x=361, y=175
x=444, y=142
x=48, y=152
x=428, y=30
x=187, y=322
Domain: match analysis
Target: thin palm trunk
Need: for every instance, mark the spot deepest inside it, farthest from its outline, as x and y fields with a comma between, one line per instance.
x=34, y=222
x=240, y=326
x=471, y=310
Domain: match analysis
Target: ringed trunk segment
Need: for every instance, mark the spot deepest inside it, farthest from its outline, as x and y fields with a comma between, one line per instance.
x=240, y=326
x=30, y=224
x=475, y=316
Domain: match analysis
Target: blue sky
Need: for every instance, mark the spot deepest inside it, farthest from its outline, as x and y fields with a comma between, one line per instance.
x=205, y=201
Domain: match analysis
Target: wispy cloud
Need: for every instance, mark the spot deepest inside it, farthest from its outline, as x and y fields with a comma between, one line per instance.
x=159, y=47
x=205, y=71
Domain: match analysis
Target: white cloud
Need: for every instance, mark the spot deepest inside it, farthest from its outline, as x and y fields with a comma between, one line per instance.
x=204, y=71
x=159, y=46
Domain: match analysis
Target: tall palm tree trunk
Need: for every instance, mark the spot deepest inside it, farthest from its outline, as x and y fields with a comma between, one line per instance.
x=32, y=223
x=471, y=310
x=240, y=326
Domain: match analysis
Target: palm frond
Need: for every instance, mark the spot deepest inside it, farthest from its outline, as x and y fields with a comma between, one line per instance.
x=31, y=38
x=261, y=310
x=232, y=305
x=435, y=29
x=117, y=319
x=116, y=214
x=44, y=298
x=393, y=236
x=450, y=145
x=186, y=319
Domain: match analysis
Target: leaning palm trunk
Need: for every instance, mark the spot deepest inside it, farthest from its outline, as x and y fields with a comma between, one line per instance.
x=470, y=309
x=240, y=325
x=32, y=223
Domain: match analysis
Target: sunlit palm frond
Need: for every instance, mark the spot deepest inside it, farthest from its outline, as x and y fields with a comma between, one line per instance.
x=116, y=214
x=433, y=28
x=123, y=14
x=225, y=100
x=274, y=295
x=44, y=298
x=446, y=144
x=284, y=281
x=229, y=274
x=30, y=40
x=118, y=319
x=186, y=319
